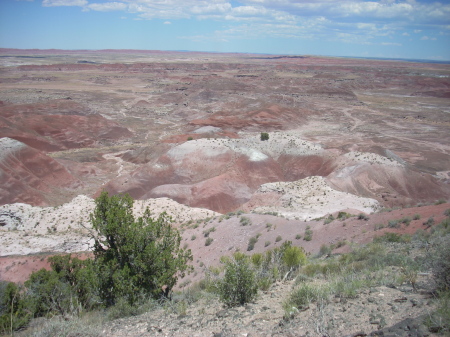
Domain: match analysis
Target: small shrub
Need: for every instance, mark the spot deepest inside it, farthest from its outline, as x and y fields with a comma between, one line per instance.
x=439, y=321
x=267, y=243
x=257, y=259
x=264, y=136
x=278, y=238
x=298, y=237
x=429, y=222
x=208, y=231
x=389, y=237
x=393, y=224
x=362, y=216
x=379, y=226
x=245, y=221
x=308, y=235
x=208, y=241
x=439, y=259
x=190, y=138
x=325, y=250
x=343, y=215
x=416, y=217
x=440, y=202
x=294, y=257
x=405, y=220
x=340, y=243
x=238, y=285
x=193, y=237
x=307, y=293
x=251, y=243
x=447, y=212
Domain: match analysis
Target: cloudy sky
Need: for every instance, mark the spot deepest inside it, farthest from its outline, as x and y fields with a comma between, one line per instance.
x=412, y=29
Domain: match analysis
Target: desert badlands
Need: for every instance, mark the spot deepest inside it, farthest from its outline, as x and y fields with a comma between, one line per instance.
x=181, y=133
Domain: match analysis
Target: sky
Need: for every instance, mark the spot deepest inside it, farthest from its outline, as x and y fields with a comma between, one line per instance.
x=409, y=29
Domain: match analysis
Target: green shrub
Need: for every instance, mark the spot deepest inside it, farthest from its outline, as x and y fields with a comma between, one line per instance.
x=257, y=259
x=294, y=257
x=267, y=243
x=440, y=202
x=429, y=222
x=238, y=285
x=378, y=226
x=208, y=231
x=264, y=136
x=278, y=238
x=416, y=217
x=325, y=250
x=251, y=243
x=439, y=320
x=245, y=221
x=389, y=237
x=405, y=220
x=298, y=237
x=15, y=308
x=362, y=216
x=306, y=294
x=208, y=241
x=393, y=224
x=343, y=215
x=135, y=257
x=308, y=235
x=439, y=258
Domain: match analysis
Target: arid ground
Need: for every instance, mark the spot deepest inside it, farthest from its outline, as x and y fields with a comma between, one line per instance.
x=180, y=132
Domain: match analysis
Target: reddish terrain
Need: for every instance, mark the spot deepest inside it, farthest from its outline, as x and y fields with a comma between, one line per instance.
x=187, y=126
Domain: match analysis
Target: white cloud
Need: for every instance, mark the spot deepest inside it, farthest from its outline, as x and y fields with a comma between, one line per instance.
x=54, y=3
x=391, y=44
x=108, y=6
x=424, y=38
x=167, y=23
x=211, y=8
x=350, y=21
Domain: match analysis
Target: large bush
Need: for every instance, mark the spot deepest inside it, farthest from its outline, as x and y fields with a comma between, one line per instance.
x=135, y=257
x=239, y=284
x=70, y=287
x=14, y=311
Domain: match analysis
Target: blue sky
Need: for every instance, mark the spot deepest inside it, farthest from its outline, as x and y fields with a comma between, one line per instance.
x=412, y=29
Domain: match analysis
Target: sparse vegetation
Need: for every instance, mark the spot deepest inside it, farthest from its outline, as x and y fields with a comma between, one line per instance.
x=362, y=216
x=429, y=222
x=208, y=241
x=264, y=136
x=251, y=243
x=308, y=234
x=343, y=216
x=245, y=221
x=239, y=284
x=278, y=238
x=393, y=224
x=208, y=231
